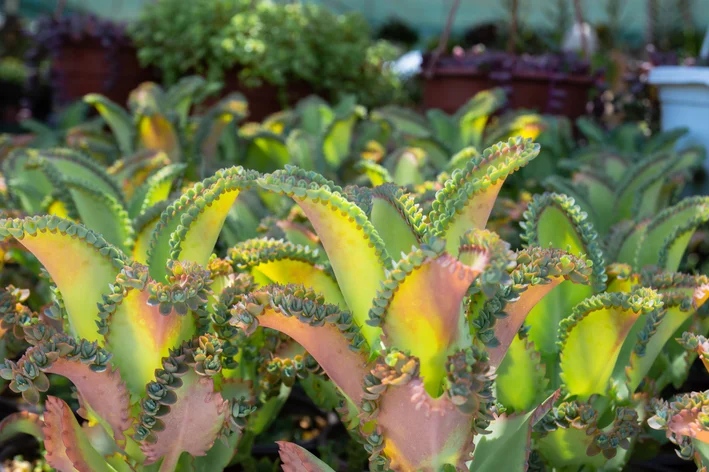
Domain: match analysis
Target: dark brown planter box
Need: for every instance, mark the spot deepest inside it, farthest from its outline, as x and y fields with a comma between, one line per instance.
x=85, y=66
x=559, y=94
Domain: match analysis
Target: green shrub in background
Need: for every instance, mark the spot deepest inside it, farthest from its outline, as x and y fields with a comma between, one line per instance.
x=268, y=43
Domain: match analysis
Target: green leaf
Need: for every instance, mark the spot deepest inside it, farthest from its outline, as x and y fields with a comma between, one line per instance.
x=117, y=119
x=315, y=115
x=180, y=96
x=265, y=152
x=445, y=128
x=355, y=250
x=638, y=193
x=467, y=198
x=174, y=231
x=591, y=338
x=404, y=121
x=664, y=240
x=508, y=444
x=156, y=188
x=102, y=213
x=337, y=140
x=28, y=186
x=21, y=422
x=472, y=117
x=591, y=131
x=434, y=150
x=521, y=382
x=397, y=219
x=276, y=261
x=81, y=263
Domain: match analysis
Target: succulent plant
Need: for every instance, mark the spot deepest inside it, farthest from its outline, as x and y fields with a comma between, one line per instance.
x=632, y=180
x=160, y=120
x=614, y=338
x=135, y=340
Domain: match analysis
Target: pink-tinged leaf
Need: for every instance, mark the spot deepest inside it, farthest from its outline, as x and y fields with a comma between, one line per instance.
x=104, y=393
x=538, y=273
x=422, y=313
x=81, y=263
x=507, y=328
x=422, y=433
x=22, y=422
x=334, y=342
x=297, y=459
x=137, y=333
x=68, y=449
x=191, y=425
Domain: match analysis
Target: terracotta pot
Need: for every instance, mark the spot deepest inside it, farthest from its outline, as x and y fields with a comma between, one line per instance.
x=544, y=92
x=86, y=66
x=265, y=99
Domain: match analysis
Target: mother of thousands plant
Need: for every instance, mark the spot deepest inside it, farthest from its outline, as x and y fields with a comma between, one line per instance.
x=409, y=316
x=394, y=337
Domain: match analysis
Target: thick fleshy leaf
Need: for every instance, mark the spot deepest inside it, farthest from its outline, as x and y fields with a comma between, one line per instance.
x=445, y=128
x=325, y=332
x=194, y=220
x=117, y=119
x=77, y=166
x=467, y=198
x=638, y=192
x=184, y=93
x=397, y=219
x=314, y=115
x=273, y=261
x=27, y=185
x=138, y=333
x=534, y=280
x=68, y=449
x=472, y=117
x=436, y=153
x=404, y=121
x=600, y=195
x=156, y=188
x=355, y=250
x=421, y=308
x=682, y=296
x=397, y=404
x=100, y=389
x=265, y=152
x=666, y=237
x=377, y=174
x=22, y=422
x=191, y=424
x=211, y=126
x=508, y=445
x=157, y=133
x=521, y=383
x=337, y=139
x=81, y=263
x=102, y=213
x=297, y=459
x=591, y=338
x=408, y=165
x=143, y=227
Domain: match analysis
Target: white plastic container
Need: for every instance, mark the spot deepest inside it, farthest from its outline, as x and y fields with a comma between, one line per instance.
x=684, y=102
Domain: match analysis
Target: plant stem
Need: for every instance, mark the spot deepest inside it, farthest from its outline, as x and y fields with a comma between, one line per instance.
x=443, y=43
x=512, y=40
